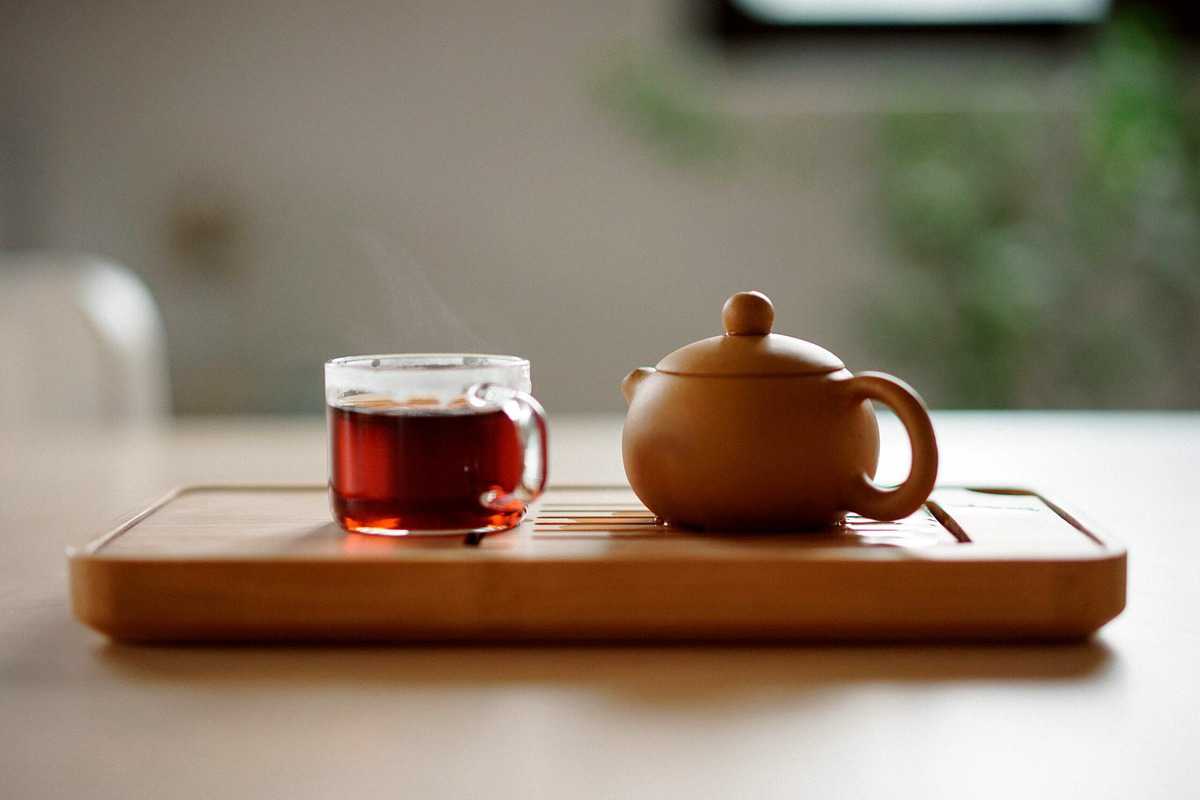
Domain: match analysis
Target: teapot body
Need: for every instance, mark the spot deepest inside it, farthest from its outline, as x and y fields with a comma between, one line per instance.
x=747, y=452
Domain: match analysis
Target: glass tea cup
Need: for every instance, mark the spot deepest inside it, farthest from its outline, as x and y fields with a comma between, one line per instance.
x=433, y=443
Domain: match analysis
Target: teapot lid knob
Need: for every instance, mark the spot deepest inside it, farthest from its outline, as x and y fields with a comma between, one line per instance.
x=748, y=314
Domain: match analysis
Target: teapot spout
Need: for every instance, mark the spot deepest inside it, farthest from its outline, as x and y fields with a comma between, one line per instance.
x=630, y=384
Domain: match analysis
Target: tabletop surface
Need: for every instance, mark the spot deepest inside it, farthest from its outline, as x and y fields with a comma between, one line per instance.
x=1118, y=716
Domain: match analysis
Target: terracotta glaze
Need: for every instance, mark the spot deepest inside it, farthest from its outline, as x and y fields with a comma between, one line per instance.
x=753, y=430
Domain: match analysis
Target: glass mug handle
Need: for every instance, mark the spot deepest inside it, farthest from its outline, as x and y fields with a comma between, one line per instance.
x=529, y=418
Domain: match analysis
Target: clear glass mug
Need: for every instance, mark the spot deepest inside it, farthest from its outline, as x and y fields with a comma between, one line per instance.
x=433, y=443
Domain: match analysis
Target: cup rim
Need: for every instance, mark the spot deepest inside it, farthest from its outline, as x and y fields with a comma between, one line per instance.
x=413, y=362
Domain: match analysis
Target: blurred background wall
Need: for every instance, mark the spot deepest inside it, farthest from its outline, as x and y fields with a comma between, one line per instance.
x=1007, y=220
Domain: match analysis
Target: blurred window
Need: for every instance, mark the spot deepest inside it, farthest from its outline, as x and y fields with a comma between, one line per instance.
x=922, y=12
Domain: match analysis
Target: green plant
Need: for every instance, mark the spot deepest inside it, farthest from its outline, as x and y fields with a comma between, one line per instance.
x=1044, y=258
x=1050, y=259
x=666, y=108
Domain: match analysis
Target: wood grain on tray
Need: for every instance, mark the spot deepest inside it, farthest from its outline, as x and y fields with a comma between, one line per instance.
x=266, y=563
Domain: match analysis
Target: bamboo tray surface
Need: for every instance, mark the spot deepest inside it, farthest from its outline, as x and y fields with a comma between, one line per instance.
x=267, y=563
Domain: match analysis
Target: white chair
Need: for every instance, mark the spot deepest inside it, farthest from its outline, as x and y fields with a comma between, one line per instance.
x=81, y=340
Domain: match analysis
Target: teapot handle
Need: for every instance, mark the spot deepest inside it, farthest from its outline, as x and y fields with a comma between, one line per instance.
x=867, y=497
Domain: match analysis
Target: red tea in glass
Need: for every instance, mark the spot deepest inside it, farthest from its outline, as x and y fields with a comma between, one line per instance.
x=418, y=445
x=416, y=470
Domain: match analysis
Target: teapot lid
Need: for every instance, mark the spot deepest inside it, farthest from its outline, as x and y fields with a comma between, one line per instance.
x=748, y=347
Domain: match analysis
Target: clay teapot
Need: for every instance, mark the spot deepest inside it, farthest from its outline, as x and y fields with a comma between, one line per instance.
x=754, y=430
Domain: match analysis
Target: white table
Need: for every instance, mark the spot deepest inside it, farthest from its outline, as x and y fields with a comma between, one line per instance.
x=1116, y=717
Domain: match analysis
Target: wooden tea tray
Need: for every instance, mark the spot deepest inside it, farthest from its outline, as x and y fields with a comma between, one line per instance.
x=221, y=563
